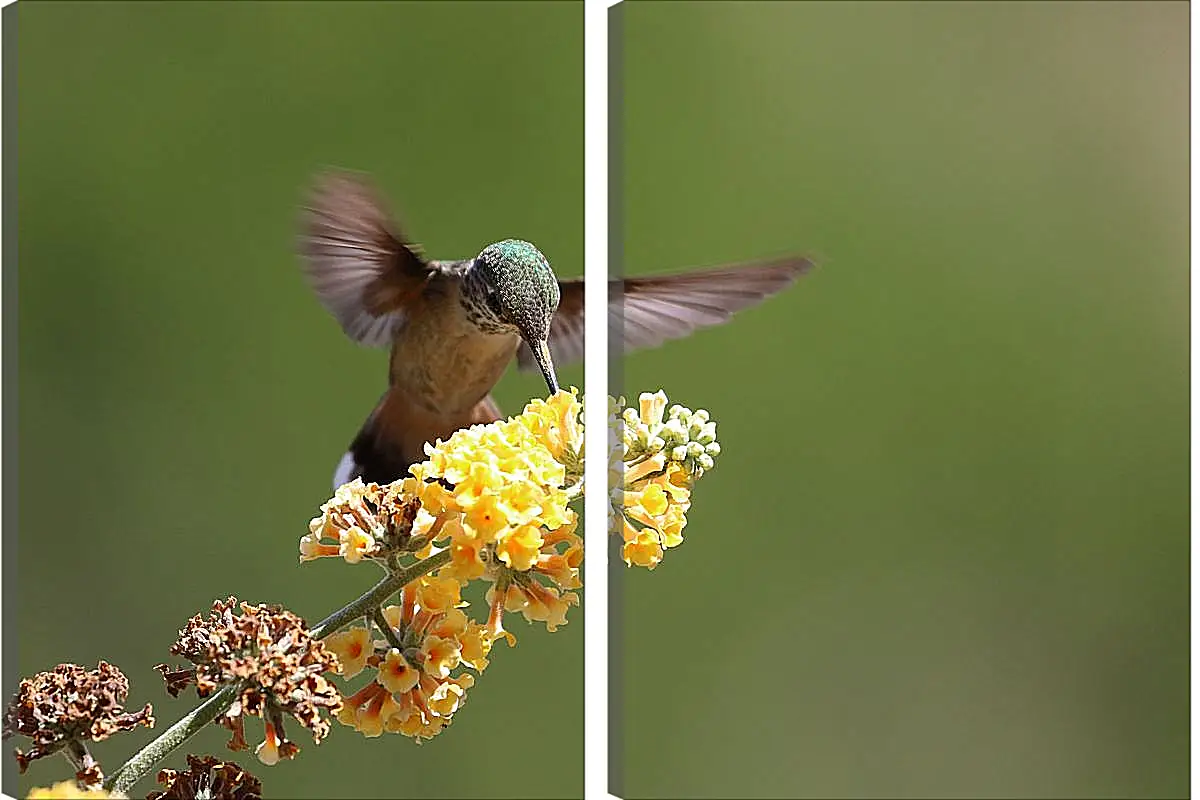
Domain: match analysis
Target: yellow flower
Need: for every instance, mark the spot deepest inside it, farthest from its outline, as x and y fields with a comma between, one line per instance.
x=506, y=481
x=437, y=595
x=562, y=567
x=641, y=547
x=556, y=422
x=495, y=623
x=368, y=710
x=435, y=498
x=413, y=690
x=482, y=481
x=654, y=500
x=466, y=559
x=676, y=482
x=537, y=603
x=311, y=548
x=417, y=718
x=652, y=407
x=350, y=521
x=453, y=623
x=521, y=564
x=661, y=452
x=486, y=518
x=476, y=644
x=354, y=544
x=352, y=647
x=671, y=525
x=396, y=674
x=441, y=656
x=520, y=550
x=69, y=790
x=448, y=696
x=642, y=468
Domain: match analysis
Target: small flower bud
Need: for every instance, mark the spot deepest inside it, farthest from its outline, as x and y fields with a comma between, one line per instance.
x=674, y=432
x=652, y=406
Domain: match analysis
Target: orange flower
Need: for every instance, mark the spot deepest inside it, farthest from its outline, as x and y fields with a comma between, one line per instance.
x=414, y=691
x=352, y=648
x=660, y=455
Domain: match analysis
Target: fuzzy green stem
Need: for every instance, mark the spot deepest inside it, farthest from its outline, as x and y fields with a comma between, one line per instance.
x=381, y=591
x=188, y=726
x=389, y=634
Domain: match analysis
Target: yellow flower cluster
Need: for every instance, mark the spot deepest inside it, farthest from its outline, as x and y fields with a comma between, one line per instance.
x=493, y=500
x=657, y=458
x=506, y=515
x=413, y=691
x=558, y=561
x=69, y=790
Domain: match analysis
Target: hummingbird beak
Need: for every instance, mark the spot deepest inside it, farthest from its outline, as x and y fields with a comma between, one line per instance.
x=541, y=354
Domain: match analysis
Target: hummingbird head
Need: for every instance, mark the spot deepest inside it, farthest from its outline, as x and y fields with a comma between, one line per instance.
x=511, y=285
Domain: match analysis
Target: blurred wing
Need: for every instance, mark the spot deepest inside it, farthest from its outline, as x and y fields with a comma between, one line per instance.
x=361, y=270
x=645, y=312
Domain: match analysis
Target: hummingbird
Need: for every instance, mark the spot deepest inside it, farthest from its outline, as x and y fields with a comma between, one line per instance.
x=455, y=326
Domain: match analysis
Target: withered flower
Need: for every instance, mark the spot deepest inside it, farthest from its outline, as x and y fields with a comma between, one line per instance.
x=269, y=652
x=208, y=778
x=58, y=708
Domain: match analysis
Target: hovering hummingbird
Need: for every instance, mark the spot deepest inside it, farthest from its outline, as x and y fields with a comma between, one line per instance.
x=454, y=326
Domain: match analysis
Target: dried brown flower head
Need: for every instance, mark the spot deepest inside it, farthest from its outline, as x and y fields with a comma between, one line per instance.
x=90, y=775
x=69, y=703
x=208, y=778
x=270, y=653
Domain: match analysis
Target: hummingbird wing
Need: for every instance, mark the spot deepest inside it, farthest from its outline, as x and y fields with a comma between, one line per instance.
x=647, y=311
x=361, y=268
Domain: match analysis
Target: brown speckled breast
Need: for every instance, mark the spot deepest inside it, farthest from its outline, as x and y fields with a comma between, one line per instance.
x=441, y=361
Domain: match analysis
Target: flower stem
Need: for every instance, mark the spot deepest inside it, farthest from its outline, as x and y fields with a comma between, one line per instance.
x=144, y=760
x=381, y=591
x=83, y=762
x=77, y=753
x=141, y=762
x=389, y=634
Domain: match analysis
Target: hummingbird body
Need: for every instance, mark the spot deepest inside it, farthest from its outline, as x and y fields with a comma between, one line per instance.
x=443, y=359
x=442, y=371
x=454, y=326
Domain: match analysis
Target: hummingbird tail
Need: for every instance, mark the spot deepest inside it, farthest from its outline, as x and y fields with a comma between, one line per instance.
x=347, y=470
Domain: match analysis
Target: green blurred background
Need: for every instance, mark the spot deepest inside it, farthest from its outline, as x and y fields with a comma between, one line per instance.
x=945, y=550
x=183, y=397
